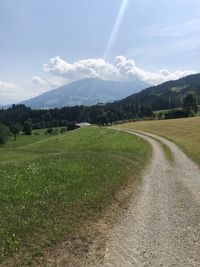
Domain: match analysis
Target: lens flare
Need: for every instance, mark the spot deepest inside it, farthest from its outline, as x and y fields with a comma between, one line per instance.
x=116, y=28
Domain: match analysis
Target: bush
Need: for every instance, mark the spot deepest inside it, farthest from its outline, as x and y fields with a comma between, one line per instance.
x=176, y=114
x=49, y=131
x=160, y=115
x=4, y=134
x=63, y=130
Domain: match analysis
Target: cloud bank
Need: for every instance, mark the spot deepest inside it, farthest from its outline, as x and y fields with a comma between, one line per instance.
x=122, y=69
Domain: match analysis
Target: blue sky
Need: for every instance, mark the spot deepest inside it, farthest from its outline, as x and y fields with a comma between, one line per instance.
x=47, y=43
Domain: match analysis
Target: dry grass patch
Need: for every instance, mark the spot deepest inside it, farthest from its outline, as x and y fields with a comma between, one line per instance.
x=184, y=132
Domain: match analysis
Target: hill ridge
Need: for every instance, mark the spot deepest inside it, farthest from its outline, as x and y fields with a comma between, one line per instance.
x=87, y=92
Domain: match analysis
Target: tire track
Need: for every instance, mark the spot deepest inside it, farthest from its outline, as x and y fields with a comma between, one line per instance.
x=162, y=224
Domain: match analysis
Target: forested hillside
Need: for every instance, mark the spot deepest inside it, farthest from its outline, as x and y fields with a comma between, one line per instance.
x=167, y=95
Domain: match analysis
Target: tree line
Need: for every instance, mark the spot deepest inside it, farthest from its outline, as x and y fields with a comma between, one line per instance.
x=21, y=118
x=67, y=116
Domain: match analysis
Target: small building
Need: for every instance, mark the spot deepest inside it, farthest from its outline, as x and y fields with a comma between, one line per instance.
x=83, y=124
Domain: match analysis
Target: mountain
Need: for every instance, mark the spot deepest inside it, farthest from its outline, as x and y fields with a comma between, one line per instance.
x=85, y=92
x=167, y=95
x=164, y=96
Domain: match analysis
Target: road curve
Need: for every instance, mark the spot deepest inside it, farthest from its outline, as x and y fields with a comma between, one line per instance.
x=162, y=224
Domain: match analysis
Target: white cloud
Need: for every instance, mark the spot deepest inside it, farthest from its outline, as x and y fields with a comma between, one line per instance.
x=10, y=93
x=121, y=69
x=55, y=82
x=81, y=69
x=4, y=86
x=38, y=81
x=51, y=83
x=128, y=69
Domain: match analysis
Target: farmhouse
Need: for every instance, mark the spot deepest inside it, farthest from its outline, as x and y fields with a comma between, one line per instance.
x=83, y=124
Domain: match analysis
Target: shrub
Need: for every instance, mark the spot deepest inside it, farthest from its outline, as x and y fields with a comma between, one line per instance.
x=4, y=134
x=63, y=130
x=49, y=131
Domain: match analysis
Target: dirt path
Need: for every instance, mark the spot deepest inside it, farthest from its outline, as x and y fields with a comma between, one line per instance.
x=162, y=224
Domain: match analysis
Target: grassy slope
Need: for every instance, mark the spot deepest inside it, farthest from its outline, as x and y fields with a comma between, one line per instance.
x=11, y=150
x=184, y=132
x=55, y=184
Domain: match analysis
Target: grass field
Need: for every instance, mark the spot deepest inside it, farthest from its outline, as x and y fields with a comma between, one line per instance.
x=50, y=186
x=11, y=149
x=184, y=132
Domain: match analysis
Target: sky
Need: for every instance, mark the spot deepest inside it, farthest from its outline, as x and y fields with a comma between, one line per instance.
x=45, y=44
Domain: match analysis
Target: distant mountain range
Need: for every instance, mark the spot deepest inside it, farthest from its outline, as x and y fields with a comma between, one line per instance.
x=85, y=92
x=89, y=92
x=167, y=95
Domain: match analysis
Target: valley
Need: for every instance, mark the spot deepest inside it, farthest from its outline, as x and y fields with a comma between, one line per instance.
x=99, y=133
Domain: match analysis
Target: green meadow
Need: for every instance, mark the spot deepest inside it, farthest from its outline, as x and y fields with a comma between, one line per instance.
x=51, y=185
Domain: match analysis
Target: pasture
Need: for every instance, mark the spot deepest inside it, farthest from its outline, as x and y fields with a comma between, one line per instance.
x=51, y=185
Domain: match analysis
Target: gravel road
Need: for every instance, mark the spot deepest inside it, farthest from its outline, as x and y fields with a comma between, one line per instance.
x=162, y=224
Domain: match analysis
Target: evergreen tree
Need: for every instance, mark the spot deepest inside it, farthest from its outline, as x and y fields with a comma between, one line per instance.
x=4, y=134
x=190, y=105
x=27, y=129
